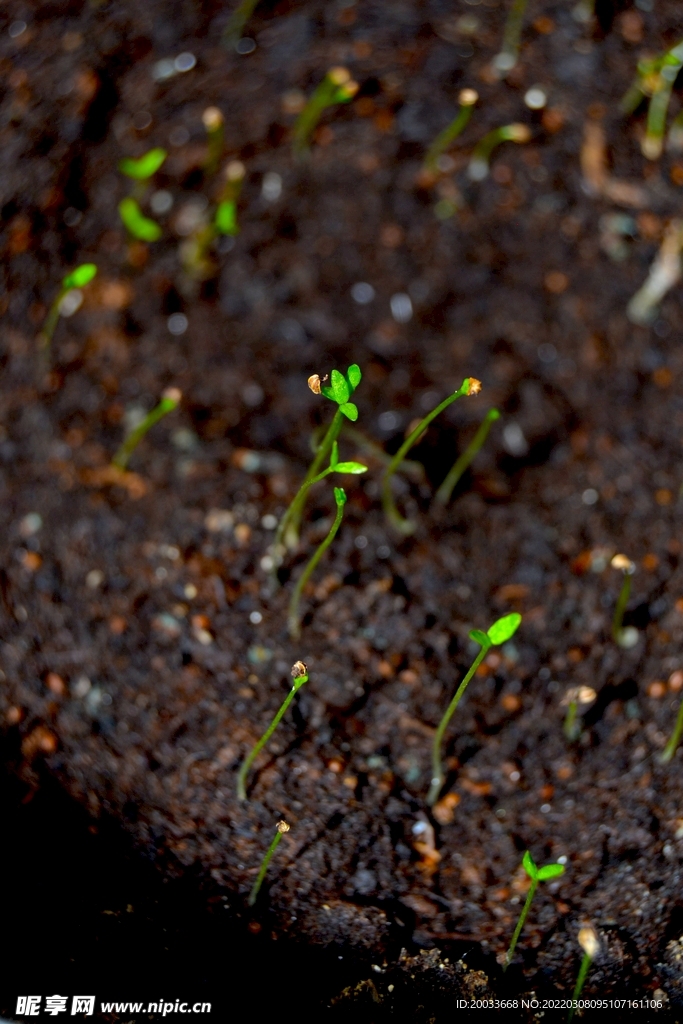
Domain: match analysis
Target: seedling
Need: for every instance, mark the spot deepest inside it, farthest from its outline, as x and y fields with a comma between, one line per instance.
x=655, y=78
x=664, y=273
x=499, y=633
x=536, y=875
x=509, y=52
x=339, y=391
x=212, y=119
x=443, y=495
x=672, y=745
x=336, y=87
x=590, y=944
x=300, y=676
x=195, y=252
x=619, y=634
x=576, y=697
x=444, y=140
x=68, y=300
x=294, y=618
x=470, y=386
x=169, y=401
x=140, y=171
x=478, y=167
x=239, y=18
x=280, y=830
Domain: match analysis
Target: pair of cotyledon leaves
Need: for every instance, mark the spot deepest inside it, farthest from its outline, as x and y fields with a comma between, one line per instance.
x=145, y=166
x=543, y=874
x=340, y=389
x=79, y=277
x=499, y=633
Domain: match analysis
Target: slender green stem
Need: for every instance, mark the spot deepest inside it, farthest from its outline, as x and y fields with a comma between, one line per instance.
x=443, y=495
x=570, y=723
x=294, y=618
x=450, y=133
x=336, y=87
x=670, y=748
x=167, y=404
x=282, y=827
x=51, y=321
x=622, y=601
x=253, y=754
x=520, y=924
x=437, y=769
x=509, y=51
x=580, y=981
x=288, y=527
x=405, y=526
x=478, y=167
x=239, y=18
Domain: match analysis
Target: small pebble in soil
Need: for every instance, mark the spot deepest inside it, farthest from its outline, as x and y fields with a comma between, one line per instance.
x=16, y=29
x=190, y=591
x=535, y=98
x=628, y=637
x=184, y=62
x=362, y=293
x=255, y=618
x=401, y=307
x=245, y=46
x=590, y=496
x=514, y=441
x=177, y=323
x=361, y=542
x=94, y=579
x=30, y=525
x=161, y=201
x=271, y=187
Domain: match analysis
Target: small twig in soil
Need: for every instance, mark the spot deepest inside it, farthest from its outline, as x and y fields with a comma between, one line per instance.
x=536, y=875
x=300, y=676
x=590, y=944
x=624, y=637
x=512, y=34
x=470, y=386
x=169, y=401
x=68, y=300
x=339, y=391
x=576, y=697
x=294, y=617
x=664, y=273
x=212, y=119
x=478, y=167
x=443, y=141
x=443, y=495
x=280, y=830
x=675, y=739
x=499, y=633
x=336, y=87
x=140, y=171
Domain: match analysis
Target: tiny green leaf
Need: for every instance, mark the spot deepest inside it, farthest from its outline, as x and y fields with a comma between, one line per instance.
x=145, y=167
x=340, y=496
x=550, y=871
x=479, y=637
x=350, y=467
x=327, y=391
x=340, y=389
x=79, y=277
x=504, y=628
x=226, y=218
x=139, y=226
x=353, y=376
x=529, y=866
x=350, y=411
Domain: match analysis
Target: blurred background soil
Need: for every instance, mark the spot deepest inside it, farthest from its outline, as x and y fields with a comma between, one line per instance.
x=143, y=649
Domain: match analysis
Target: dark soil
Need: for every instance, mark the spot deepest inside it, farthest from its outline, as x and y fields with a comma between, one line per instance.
x=144, y=605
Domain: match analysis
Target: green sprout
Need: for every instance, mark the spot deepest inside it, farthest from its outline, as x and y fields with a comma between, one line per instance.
x=624, y=637
x=536, y=875
x=443, y=495
x=238, y=19
x=294, y=617
x=195, y=251
x=68, y=300
x=575, y=698
x=478, y=167
x=512, y=34
x=280, y=830
x=339, y=391
x=169, y=401
x=590, y=944
x=470, y=386
x=140, y=171
x=212, y=119
x=675, y=739
x=336, y=87
x=499, y=633
x=443, y=141
x=655, y=78
x=300, y=676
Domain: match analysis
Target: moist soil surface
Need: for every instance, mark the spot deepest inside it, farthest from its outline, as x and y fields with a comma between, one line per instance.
x=144, y=645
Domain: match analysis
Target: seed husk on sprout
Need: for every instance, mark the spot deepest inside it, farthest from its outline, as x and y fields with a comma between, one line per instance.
x=590, y=944
x=576, y=697
x=443, y=141
x=621, y=636
x=336, y=87
x=478, y=167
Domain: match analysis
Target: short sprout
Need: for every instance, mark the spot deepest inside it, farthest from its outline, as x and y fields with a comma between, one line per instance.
x=478, y=167
x=462, y=463
x=169, y=401
x=139, y=226
x=628, y=568
x=590, y=944
x=536, y=874
x=61, y=306
x=336, y=87
x=443, y=141
x=576, y=697
x=280, y=830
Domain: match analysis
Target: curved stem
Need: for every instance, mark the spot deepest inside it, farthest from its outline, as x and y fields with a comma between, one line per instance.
x=443, y=495
x=294, y=619
x=437, y=770
x=450, y=133
x=249, y=759
x=263, y=869
x=124, y=453
x=520, y=924
x=622, y=601
x=51, y=320
x=405, y=526
x=670, y=748
x=288, y=527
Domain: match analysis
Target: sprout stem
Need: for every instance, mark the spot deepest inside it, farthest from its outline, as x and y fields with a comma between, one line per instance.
x=212, y=118
x=294, y=618
x=509, y=52
x=570, y=727
x=406, y=526
x=478, y=167
x=299, y=679
x=670, y=748
x=443, y=495
x=580, y=981
x=288, y=527
x=73, y=282
x=168, y=403
x=536, y=874
x=437, y=769
x=520, y=924
x=280, y=830
x=336, y=87
x=443, y=141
